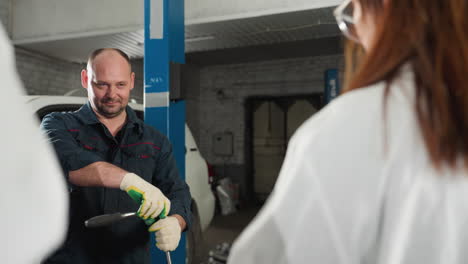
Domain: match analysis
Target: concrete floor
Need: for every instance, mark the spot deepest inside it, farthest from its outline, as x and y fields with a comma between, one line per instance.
x=226, y=229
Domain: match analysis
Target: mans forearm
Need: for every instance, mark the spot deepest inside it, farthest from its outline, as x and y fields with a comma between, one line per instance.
x=98, y=174
x=107, y=175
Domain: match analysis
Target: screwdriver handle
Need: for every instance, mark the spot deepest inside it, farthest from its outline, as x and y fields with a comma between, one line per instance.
x=151, y=221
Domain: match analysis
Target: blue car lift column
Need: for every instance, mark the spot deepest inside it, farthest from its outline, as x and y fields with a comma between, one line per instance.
x=332, y=85
x=164, y=44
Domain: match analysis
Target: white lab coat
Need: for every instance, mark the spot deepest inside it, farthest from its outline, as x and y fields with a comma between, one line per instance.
x=358, y=187
x=33, y=194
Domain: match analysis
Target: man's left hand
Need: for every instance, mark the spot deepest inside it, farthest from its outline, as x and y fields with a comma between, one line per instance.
x=167, y=234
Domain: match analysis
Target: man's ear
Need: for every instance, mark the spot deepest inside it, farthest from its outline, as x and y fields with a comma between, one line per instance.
x=132, y=77
x=84, y=78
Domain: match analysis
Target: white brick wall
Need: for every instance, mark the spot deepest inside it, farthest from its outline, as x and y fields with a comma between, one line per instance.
x=240, y=81
x=44, y=75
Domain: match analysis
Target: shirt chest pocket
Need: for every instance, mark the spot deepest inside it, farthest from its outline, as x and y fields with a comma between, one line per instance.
x=140, y=158
x=91, y=143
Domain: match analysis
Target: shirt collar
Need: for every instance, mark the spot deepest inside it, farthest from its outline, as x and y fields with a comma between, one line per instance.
x=87, y=115
x=133, y=120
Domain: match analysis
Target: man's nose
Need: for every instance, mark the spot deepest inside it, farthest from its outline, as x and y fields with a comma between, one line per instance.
x=111, y=91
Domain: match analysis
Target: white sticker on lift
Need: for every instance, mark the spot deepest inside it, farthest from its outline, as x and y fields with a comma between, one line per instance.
x=157, y=19
x=160, y=99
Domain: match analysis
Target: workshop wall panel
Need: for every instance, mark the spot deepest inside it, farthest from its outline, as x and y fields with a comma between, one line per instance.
x=220, y=105
x=224, y=90
x=43, y=75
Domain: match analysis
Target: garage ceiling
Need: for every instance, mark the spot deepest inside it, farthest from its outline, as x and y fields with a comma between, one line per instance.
x=254, y=31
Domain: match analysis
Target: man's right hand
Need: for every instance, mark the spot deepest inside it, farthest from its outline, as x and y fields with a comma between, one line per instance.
x=151, y=198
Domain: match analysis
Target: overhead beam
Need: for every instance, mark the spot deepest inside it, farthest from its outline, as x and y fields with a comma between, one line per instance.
x=208, y=11
x=286, y=50
x=49, y=20
x=35, y=21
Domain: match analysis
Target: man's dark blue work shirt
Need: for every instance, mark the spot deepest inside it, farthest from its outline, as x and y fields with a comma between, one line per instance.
x=80, y=139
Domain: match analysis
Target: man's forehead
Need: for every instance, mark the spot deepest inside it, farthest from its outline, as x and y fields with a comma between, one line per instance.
x=95, y=78
x=110, y=75
x=109, y=60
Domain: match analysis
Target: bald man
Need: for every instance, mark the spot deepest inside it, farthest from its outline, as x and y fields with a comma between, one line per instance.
x=116, y=163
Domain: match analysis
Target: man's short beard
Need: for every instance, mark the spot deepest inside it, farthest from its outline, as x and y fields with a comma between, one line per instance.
x=102, y=110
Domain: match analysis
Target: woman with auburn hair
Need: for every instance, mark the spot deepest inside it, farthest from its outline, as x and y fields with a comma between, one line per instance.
x=380, y=175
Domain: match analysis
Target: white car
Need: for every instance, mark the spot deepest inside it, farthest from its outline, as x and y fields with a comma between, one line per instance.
x=203, y=201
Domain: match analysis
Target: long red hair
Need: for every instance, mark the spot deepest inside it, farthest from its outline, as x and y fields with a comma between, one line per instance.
x=433, y=36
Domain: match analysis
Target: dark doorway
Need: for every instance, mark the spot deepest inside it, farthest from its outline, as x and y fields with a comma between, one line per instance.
x=271, y=123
